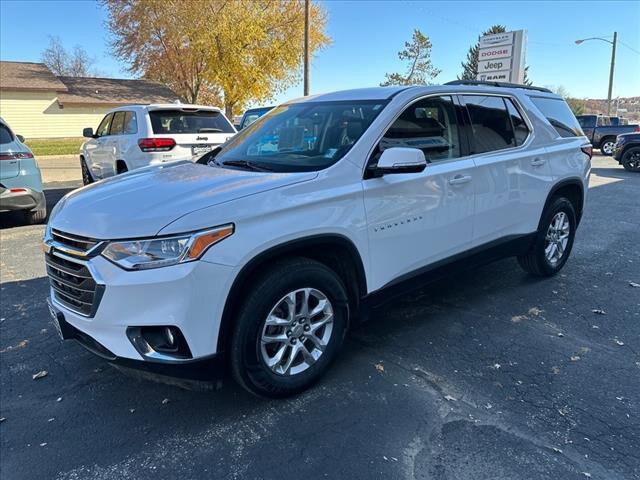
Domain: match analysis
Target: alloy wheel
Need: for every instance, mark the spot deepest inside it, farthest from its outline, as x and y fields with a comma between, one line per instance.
x=557, y=238
x=607, y=148
x=633, y=162
x=296, y=331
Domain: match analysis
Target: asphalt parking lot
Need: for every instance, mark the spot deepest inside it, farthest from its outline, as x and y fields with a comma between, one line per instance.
x=487, y=375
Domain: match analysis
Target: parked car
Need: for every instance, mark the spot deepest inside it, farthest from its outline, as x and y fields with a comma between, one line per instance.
x=627, y=151
x=252, y=115
x=140, y=135
x=601, y=133
x=264, y=258
x=20, y=178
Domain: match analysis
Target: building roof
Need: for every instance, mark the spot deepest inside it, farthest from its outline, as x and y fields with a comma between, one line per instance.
x=28, y=76
x=82, y=90
x=114, y=91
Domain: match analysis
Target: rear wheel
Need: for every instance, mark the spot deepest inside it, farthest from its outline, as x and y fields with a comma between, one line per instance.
x=606, y=147
x=631, y=159
x=33, y=217
x=121, y=167
x=554, y=240
x=86, y=175
x=289, y=329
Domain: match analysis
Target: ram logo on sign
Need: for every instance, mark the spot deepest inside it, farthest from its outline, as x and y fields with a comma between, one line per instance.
x=501, y=57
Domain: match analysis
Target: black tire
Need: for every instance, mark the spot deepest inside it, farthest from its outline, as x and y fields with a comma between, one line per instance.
x=86, y=174
x=535, y=261
x=631, y=159
x=606, y=146
x=33, y=217
x=121, y=167
x=248, y=366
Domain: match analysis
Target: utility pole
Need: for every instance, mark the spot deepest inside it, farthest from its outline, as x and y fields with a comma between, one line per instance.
x=613, y=62
x=307, y=13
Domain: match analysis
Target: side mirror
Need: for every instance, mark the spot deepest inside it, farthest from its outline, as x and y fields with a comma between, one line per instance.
x=401, y=160
x=21, y=138
x=88, y=132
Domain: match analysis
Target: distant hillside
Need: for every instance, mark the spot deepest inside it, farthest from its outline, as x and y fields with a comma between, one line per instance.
x=630, y=104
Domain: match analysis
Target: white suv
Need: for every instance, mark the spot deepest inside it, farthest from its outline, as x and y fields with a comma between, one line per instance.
x=140, y=135
x=263, y=256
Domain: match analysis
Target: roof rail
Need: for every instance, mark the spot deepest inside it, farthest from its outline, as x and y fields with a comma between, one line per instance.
x=498, y=84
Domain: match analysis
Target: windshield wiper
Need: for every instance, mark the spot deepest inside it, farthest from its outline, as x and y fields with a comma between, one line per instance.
x=209, y=130
x=245, y=164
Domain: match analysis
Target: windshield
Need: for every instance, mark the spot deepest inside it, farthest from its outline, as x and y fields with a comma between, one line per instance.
x=189, y=121
x=301, y=137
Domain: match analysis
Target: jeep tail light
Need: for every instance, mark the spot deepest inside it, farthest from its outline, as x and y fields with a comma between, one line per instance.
x=15, y=155
x=588, y=151
x=156, y=144
x=637, y=129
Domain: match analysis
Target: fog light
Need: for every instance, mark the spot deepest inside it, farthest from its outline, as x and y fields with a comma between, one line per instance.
x=161, y=342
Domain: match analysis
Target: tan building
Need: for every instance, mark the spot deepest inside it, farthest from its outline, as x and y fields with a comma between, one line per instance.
x=38, y=104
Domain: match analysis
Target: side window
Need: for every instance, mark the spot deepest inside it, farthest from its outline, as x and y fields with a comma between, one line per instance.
x=490, y=123
x=520, y=128
x=130, y=123
x=429, y=125
x=117, y=124
x=559, y=115
x=587, y=121
x=103, y=128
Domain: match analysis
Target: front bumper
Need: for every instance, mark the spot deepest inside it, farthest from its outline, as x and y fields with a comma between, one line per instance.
x=189, y=296
x=21, y=199
x=617, y=151
x=206, y=369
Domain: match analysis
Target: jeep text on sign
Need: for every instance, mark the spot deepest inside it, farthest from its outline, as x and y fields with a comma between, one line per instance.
x=494, y=65
x=504, y=51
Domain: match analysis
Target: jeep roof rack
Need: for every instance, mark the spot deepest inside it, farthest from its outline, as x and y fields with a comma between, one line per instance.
x=498, y=84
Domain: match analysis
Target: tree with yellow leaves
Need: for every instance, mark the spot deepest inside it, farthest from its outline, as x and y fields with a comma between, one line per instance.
x=229, y=51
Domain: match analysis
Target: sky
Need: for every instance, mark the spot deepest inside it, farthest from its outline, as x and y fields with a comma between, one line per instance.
x=366, y=36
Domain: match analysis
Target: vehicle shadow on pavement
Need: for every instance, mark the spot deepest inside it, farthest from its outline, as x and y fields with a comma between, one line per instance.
x=613, y=172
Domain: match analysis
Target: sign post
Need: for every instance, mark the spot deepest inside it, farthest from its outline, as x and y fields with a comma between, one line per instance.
x=501, y=57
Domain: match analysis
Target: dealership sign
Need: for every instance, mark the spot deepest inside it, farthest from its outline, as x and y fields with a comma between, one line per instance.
x=501, y=57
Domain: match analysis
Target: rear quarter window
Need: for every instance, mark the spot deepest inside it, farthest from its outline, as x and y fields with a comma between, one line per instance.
x=559, y=115
x=5, y=135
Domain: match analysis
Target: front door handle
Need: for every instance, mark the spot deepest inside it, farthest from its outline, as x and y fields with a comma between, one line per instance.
x=459, y=179
x=536, y=162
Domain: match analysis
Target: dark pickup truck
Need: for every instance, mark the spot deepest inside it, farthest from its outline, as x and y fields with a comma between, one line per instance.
x=601, y=133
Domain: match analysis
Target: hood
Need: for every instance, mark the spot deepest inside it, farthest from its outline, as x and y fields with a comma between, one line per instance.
x=140, y=203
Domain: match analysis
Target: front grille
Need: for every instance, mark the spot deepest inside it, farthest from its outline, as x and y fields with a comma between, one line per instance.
x=73, y=285
x=75, y=242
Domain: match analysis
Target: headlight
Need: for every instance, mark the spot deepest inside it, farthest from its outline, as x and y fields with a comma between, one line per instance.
x=162, y=252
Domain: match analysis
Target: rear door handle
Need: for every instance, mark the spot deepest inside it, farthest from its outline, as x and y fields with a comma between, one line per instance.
x=459, y=179
x=536, y=162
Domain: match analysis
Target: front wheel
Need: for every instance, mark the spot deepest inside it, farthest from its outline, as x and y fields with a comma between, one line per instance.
x=631, y=160
x=289, y=329
x=554, y=240
x=607, y=147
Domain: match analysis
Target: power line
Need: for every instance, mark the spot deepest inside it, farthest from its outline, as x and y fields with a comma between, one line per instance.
x=628, y=46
